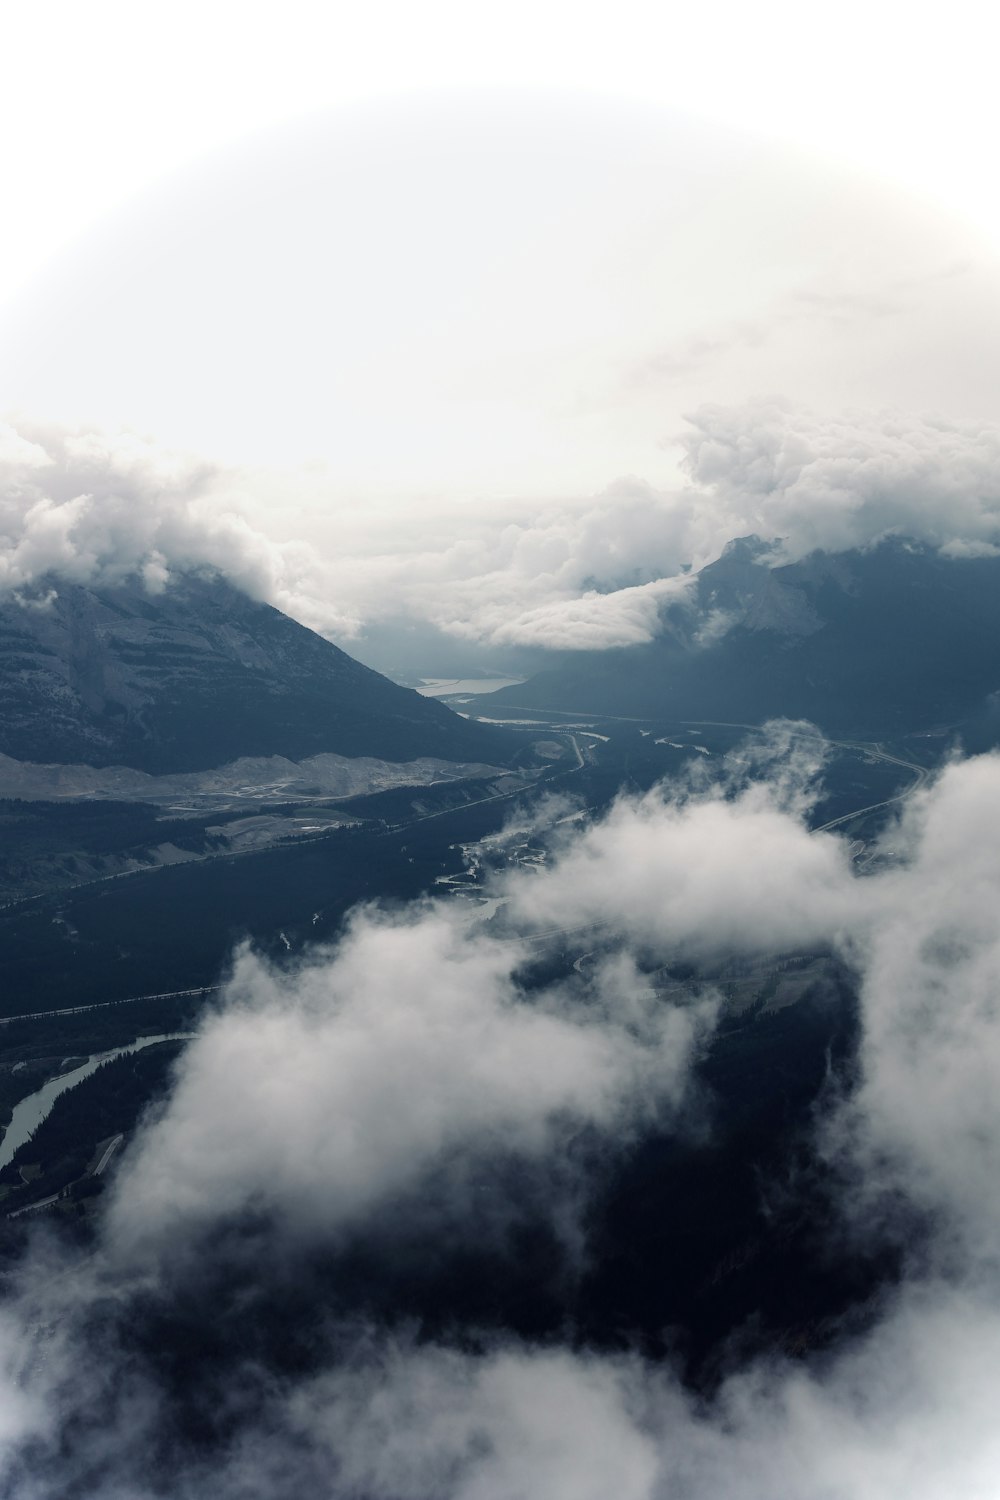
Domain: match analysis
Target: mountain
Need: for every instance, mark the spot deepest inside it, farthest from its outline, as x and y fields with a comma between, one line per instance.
x=198, y=676
x=894, y=638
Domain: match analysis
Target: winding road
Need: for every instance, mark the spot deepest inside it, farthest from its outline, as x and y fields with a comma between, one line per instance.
x=869, y=747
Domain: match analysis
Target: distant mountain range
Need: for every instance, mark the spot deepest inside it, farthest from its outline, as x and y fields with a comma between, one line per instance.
x=198, y=676
x=891, y=639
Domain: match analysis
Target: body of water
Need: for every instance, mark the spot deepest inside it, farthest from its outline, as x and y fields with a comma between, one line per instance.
x=29, y=1114
x=446, y=687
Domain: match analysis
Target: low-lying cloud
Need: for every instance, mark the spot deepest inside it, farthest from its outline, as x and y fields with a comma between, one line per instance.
x=325, y=1098
x=687, y=876
x=589, y=575
x=324, y=1095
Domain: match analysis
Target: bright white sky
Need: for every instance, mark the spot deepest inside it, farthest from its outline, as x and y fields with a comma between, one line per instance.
x=99, y=100
x=266, y=232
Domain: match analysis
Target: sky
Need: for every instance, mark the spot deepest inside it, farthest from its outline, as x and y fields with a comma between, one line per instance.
x=480, y=256
x=902, y=90
x=409, y=302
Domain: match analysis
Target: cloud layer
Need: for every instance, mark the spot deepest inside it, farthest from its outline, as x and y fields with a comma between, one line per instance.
x=327, y=1099
x=592, y=575
x=848, y=481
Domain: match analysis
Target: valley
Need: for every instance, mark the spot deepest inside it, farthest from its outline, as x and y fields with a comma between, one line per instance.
x=128, y=889
x=132, y=956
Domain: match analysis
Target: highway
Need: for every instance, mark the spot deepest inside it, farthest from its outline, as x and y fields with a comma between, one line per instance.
x=207, y=989
x=77, y=1010
x=518, y=791
x=920, y=777
x=872, y=748
x=109, y=1152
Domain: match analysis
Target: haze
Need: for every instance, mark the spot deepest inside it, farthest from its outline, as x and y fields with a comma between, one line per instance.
x=494, y=301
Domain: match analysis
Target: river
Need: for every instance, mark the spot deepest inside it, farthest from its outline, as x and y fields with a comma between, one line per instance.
x=29, y=1114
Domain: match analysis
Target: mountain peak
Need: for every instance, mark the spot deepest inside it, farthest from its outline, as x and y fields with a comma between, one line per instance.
x=746, y=548
x=753, y=595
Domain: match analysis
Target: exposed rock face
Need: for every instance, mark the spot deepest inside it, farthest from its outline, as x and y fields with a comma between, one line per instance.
x=197, y=677
x=754, y=596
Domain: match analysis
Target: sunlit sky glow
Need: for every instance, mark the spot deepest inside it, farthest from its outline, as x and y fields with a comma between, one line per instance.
x=101, y=100
x=456, y=252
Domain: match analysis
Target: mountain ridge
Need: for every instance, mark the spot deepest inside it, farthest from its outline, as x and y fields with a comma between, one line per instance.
x=198, y=676
x=880, y=641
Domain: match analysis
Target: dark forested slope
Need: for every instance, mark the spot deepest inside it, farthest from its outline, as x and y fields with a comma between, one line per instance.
x=198, y=676
x=896, y=638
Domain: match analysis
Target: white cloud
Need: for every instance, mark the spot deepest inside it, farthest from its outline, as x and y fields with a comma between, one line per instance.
x=323, y=1096
x=91, y=507
x=704, y=874
x=835, y=483
x=596, y=574
x=592, y=621
x=327, y=1093
x=928, y=1113
x=907, y=1410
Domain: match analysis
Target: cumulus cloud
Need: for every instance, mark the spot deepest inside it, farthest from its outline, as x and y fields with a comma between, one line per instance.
x=593, y=621
x=418, y=1039
x=928, y=1111
x=600, y=574
x=323, y=1095
x=728, y=867
x=593, y=574
x=801, y=481
x=93, y=507
x=905, y=1410
x=835, y=483
x=317, y=1098
x=90, y=507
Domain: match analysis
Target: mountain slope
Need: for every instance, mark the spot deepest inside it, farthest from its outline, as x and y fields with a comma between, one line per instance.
x=196, y=677
x=895, y=638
